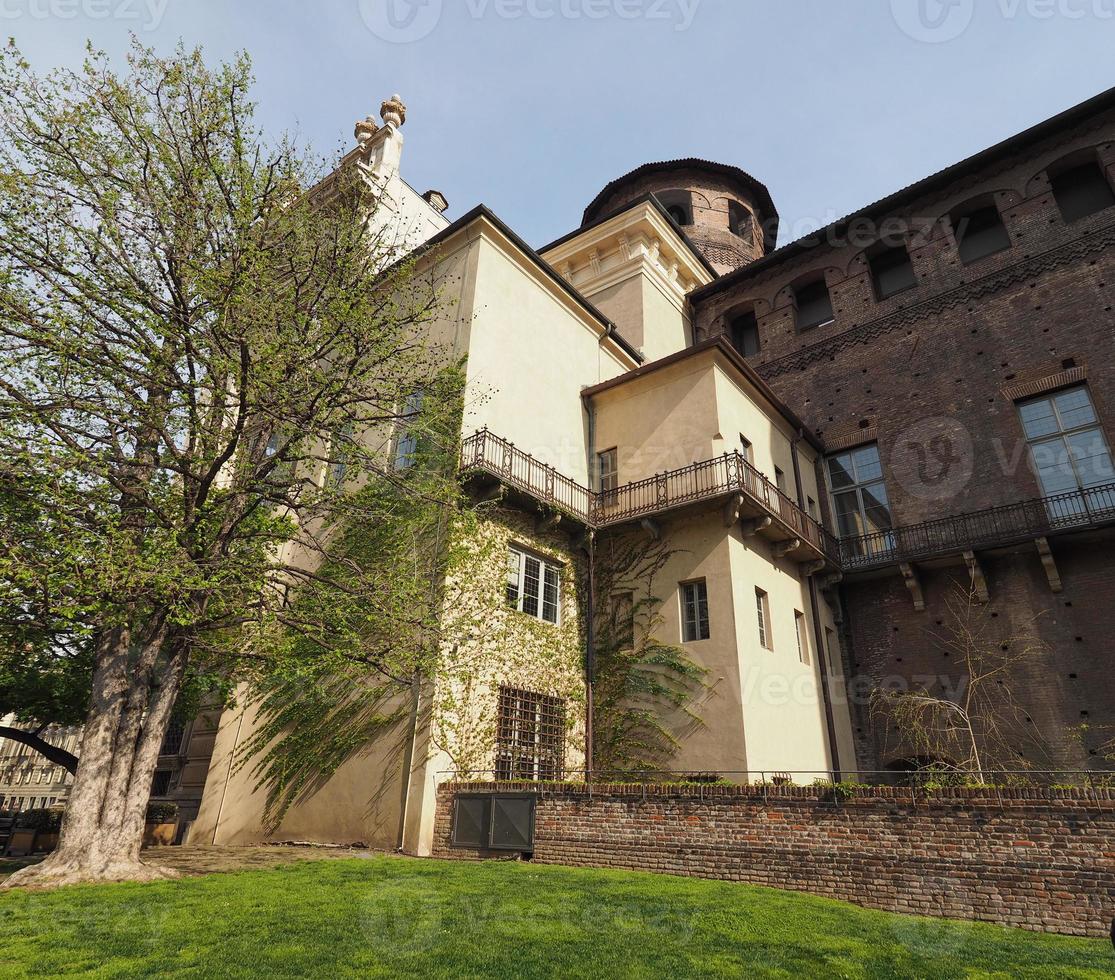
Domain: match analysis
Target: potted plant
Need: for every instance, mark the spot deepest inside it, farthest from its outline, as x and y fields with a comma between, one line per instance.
x=35, y=830
x=162, y=824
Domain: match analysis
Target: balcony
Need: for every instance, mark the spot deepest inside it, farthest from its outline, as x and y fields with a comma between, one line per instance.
x=730, y=480
x=991, y=528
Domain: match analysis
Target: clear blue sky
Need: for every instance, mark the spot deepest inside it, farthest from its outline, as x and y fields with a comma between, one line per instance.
x=531, y=106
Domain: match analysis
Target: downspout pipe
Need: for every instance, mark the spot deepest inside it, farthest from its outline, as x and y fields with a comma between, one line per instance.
x=818, y=632
x=590, y=603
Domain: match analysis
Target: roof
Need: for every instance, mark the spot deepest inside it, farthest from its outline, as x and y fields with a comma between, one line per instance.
x=755, y=188
x=723, y=346
x=928, y=185
x=647, y=198
x=482, y=211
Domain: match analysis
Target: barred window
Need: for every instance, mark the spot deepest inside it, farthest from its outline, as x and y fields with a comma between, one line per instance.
x=533, y=586
x=530, y=736
x=172, y=741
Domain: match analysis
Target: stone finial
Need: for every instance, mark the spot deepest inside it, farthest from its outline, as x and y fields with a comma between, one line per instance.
x=393, y=111
x=365, y=129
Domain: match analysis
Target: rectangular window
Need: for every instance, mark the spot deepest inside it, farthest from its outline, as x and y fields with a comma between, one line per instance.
x=1069, y=452
x=980, y=233
x=694, y=608
x=745, y=334
x=623, y=619
x=859, y=497
x=814, y=305
x=338, y=456
x=762, y=610
x=406, y=443
x=533, y=586
x=608, y=467
x=172, y=741
x=530, y=736
x=811, y=506
x=802, y=637
x=746, y=449
x=892, y=272
x=780, y=479
x=160, y=785
x=1082, y=191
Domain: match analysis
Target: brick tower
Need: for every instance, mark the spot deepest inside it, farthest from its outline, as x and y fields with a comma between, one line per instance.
x=727, y=214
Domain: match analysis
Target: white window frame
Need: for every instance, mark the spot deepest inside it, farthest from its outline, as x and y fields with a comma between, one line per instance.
x=519, y=564
x=762, y=612
x=801, y=630
x=694, y=595
x=607, y=464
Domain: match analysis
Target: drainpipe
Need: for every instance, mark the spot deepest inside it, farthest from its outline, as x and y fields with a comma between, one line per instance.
x=590, y=589
x=818, y=632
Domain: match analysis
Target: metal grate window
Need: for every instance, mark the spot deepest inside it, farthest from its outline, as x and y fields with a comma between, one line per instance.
x=530, y=736
x=172, y=741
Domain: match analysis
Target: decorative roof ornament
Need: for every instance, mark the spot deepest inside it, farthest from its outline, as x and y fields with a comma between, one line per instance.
x=365, y=129
x=393, y=111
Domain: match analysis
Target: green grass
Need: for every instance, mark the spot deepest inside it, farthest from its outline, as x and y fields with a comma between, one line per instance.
x=387, y=916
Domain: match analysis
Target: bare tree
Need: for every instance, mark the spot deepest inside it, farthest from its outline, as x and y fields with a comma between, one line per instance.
x=972, y=722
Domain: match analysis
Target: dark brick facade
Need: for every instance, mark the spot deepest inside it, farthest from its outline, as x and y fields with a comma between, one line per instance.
x=1043, y=862
x=949, y=358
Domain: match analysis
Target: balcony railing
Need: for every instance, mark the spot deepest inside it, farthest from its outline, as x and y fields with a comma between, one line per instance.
x=723, y=477
x=996, y=526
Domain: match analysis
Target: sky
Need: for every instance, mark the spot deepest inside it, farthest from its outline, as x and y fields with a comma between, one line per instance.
x=532, y=106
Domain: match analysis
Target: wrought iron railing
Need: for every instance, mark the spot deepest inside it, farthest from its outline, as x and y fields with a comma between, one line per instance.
x=993, y=527
x=714, y=478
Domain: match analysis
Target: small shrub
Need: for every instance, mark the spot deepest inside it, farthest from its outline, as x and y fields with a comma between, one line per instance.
x=162, y=811
x=45, y=821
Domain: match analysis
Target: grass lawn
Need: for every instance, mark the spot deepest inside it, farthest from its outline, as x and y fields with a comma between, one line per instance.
x=387, y=916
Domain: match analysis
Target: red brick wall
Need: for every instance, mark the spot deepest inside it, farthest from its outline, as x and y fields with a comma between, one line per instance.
x=943, y=358
x=1045, y=863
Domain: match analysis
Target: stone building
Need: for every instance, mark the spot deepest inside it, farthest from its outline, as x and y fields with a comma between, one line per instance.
x=825, y=439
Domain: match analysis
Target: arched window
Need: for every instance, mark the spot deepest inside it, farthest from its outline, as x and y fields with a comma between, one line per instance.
x=741, y=222
x=678, y=204
x=743, y=329
x=1081, y=188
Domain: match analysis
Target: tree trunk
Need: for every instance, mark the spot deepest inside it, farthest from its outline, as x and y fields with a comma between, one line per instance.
x=102, y=831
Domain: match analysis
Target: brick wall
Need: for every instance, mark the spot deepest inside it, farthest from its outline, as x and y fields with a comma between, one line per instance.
x=1044, y=861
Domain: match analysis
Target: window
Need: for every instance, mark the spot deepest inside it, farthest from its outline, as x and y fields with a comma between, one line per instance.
x=980, y=233
x=1069, y=451
x=802, y=637
x=533, y=586
x=338, y=465
x=746, y=449
x=678, y=205
x=172, y=741
x=741, y=222
x=780, y=479
x=622, y=623
x=892, y=272
x=694, y=611
x=859, y=495
x=814, y=305
x=762, y=610
x=811, y=507
x=160, y=785
x=530, y=736
x=745, y=334
x=406, y=443
x=608, y=466
x=1081, y=191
